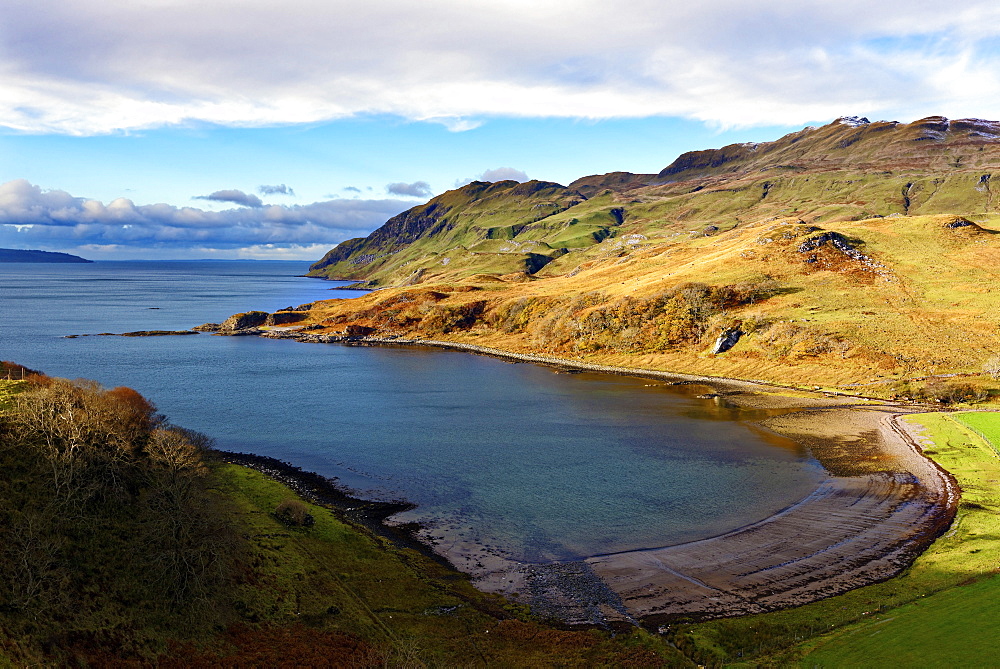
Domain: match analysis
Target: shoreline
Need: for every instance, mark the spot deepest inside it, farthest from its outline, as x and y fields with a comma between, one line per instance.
x=727, y=387
x=883, y=505
x=329, y=493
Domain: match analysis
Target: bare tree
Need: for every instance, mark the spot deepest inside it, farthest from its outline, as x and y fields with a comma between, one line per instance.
x=992, y=367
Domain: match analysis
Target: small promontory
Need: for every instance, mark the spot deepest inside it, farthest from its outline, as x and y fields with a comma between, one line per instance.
x=25, y=255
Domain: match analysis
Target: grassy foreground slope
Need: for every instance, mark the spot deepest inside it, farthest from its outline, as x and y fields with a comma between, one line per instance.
x=124, y=542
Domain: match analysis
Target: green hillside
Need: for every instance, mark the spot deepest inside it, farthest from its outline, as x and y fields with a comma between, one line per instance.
x=854, y=255
x=848, y=170
x=461, y=227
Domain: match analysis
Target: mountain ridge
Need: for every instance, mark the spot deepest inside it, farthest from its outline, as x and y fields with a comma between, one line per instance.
x=848, y=169
x=856, y=254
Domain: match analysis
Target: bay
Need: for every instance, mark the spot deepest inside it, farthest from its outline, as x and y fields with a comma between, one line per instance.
x=537, y=465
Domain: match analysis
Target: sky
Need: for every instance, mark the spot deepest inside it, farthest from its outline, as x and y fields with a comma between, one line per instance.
x=158, y=129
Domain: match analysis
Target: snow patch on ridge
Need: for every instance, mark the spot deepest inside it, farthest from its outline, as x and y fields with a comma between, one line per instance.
x=980, y=127
x=853, y=121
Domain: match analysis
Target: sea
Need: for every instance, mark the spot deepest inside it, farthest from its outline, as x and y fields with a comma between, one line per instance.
x=540, y=466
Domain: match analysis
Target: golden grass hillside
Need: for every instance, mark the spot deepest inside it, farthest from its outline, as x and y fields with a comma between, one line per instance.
x=856, y=254
x=869, y=302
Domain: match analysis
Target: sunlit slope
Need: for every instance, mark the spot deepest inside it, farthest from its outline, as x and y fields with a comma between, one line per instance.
x=847, y=170
x=854, y=253
x=934, y=143
x=448, y=228
x=850, y=301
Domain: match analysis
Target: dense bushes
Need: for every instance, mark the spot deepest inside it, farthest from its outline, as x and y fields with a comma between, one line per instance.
x=689, y=314
x=294, y=513
x=941, y=392
x=107, y=523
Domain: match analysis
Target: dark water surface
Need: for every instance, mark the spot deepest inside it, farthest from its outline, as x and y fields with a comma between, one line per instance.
x=542, y=465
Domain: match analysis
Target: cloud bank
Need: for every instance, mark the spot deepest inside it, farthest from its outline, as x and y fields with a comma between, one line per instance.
x=84, y=67
x=56, y=220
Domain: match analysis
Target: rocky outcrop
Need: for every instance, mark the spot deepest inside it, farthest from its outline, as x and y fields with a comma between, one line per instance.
x=727, y=340
x=137, y=333
x=959, y=222
x=834, y=239
x=285, y=317
x=246, y=321
x=157, y=333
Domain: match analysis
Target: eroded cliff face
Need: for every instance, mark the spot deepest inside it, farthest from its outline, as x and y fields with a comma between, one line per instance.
x=243, y=321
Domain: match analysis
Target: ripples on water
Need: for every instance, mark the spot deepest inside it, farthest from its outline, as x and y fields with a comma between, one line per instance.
x=542, y=465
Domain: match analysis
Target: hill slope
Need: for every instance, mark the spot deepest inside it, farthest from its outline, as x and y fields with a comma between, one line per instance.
x=854, y=253
x=850, y=169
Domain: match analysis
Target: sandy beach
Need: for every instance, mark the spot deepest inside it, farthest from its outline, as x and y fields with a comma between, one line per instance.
x=882, y=505
x=858, y=527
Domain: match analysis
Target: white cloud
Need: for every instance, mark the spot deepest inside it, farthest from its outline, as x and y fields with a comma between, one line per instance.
x=83, y=67
x=280, y=189
x=233, y=196
x=33, y=218
x=496, y=174
x=415, y=189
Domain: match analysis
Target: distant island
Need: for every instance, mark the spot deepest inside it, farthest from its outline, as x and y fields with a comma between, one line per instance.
x=24, y=255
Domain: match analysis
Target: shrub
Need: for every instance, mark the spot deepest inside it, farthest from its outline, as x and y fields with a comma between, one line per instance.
x=294, y=513
x=102, y=505
x=951, y=393
x=992, y=367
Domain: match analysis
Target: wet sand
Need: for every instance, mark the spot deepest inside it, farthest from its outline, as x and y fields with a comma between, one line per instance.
x=853, y=530
x=857, y=528
x=883, y=504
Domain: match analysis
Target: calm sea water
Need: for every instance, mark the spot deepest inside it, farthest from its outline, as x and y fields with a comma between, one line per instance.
x=541, y=465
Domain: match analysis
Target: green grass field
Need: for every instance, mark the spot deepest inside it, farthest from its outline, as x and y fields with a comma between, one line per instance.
x=954, y=628
x=7, y=389
x=939, y=611
x=957, y=626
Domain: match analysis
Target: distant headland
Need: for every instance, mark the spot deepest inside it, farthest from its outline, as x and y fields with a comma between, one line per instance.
x=24, y=255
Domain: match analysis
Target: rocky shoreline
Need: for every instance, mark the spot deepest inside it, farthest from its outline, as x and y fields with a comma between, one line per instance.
x=864, y=525
x=137, y=333
x=743, y=393
x=327, y=492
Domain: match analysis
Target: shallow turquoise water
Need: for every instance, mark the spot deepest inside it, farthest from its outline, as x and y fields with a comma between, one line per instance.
x=537, y=464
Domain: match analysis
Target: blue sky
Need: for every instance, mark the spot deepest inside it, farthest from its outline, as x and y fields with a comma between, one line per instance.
x=169, y=128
